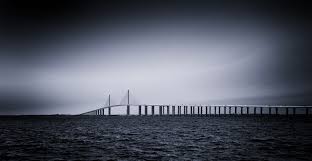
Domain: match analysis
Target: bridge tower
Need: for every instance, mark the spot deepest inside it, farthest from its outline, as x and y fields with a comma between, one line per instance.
x=128, y=102
x=109, y=109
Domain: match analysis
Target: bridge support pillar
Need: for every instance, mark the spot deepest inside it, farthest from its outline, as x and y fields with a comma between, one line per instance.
x=242, y=112
x=235, y=110
x=109, y=111
x=173, y=110
x=224, y=110
x=163, y=110
x=287, y=111
x=198, y=113
x=219, y=110
x=168, y=112
x=180, y=110
x=140, y=110
x=201, y=110
x=294, y=111
x=160, y=110
x=215, y=110
x=255, y=110
x=186, y=111
x=128, y=109
x=153, y=110
x=247, y=110
x=230, y=110
x=276, y=110
x=307, y=111
x=270, y=110
x=261, y=109
x=192, y=110
x=146, y=112
x=103, y=112
x=206, y=110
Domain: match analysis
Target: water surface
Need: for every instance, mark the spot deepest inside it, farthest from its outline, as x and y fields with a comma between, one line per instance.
x=155, y=138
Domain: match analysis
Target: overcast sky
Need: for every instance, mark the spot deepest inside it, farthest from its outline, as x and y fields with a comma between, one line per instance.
x=67, y=57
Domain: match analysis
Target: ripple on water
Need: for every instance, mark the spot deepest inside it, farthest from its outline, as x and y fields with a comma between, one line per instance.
x=155, y=138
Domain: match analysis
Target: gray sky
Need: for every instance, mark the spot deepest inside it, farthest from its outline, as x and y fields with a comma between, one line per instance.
x=176, y=57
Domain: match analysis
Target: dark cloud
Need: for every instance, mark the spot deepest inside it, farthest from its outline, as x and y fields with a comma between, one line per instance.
x=42, y=42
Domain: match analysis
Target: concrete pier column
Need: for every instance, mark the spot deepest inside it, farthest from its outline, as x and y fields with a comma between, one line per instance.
x=201, y=110
x=206, y=110
x=224, y=110
x=191, y=110
x=242, y=112
x=287, y=111
x=247, y=110
x=270, y=110
x=140, y=110
x=215, y=110
x=219, y=110
x=198, y=112
x=109, y=111
x=261, y=110
x=307, y=111
x=128, y=109
x=160, y=110
x=209, y=110
x=230, y=110
x=276, y=110
x=179, y=110
x=255, y=110
x=294, y=111
x=103, y=111
x=153, y=110
x=186, y=110
x=168, y=110
x=164, y=111
x=146, y=111
x=235, y=110
x=173, y=110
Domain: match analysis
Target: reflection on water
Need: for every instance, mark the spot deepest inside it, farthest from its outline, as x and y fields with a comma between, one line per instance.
x=155, y=138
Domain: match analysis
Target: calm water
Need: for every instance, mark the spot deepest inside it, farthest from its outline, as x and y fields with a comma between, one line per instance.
x=155, y=138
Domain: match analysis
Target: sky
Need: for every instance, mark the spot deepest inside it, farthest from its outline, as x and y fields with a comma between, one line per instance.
x=66, y=57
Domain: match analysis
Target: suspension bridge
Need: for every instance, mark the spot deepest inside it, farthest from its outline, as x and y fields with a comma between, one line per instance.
x=135, y=108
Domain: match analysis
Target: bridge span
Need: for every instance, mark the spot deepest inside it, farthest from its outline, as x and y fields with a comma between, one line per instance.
x=197, y=110
x=204, y=110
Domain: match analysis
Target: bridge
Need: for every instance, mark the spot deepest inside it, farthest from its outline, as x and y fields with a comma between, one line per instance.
x=196, y=110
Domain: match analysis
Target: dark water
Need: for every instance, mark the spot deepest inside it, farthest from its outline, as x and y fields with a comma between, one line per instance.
x=155, y=138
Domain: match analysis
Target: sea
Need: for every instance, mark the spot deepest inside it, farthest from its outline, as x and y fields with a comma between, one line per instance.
x=61, y=137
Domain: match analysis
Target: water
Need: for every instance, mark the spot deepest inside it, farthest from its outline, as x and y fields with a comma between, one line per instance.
x=155, y=138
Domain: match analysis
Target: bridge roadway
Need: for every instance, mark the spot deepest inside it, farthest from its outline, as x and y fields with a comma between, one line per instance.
x=209, y=109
